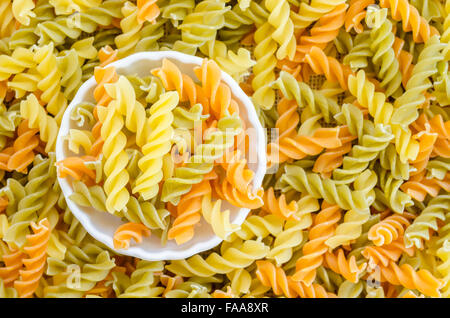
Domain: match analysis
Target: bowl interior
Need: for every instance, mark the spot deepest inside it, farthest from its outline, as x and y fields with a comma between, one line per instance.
x=102, y=225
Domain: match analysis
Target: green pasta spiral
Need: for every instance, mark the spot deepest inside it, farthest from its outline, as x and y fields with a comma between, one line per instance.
x=239, y=255
x=40, y=181
x=298, y=179
x=408, y=103
x=142, y=281
x=374, y=141
x=384, y=58
x=419, y=229
x=305, y=96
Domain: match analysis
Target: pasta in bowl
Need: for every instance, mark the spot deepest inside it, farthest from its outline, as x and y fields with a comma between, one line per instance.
x=161, y=155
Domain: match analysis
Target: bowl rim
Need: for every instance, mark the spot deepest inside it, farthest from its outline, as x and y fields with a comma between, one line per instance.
x=83, y=216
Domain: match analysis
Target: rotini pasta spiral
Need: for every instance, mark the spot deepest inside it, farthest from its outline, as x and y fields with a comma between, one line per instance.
x=22, y=10
x=188, y=212
x=382, y=39
x=239, y=255
x=88, y=196
x=142, y=281
x=297, y=178
x=219, y=220
x=275, y=277
x=24, y=147
x=388, y=230
x=406, y=105
x=264, y=95
x=116, y=157
x=156, y=145
x=351, y=227
x=348, y=268
x=406, y=276
x=291, y=237
x=35, y=262
x=308, y=13
x=13, y=264
x=411, y=19
x=382, y=112
x=41, y=179
x=128, y=231
x=50, y=82
x=283, y=28
x=313, y=251
x=419, y=229
x=130, y=25
x=201, y=25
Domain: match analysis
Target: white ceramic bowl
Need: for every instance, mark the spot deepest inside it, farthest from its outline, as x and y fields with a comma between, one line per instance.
x=102, y=225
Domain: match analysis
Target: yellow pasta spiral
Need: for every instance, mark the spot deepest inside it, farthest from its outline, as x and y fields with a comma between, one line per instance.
x=284, y=28
x=37, y=118
x=116, y=162
x=50, y=84
x=157, y=145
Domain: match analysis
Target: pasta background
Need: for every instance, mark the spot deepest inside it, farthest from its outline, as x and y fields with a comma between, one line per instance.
x=355, y=96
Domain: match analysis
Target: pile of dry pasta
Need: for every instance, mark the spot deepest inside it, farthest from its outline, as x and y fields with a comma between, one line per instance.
x=192, y=143
x=355, y=97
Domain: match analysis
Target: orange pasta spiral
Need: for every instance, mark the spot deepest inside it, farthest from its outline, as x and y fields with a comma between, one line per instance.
x=288, y=118
x=237, y=171
x=275, y=277
x=13, y=263
x=323, y=32
x=406, y=276
x=248, y=199
x=355, y=14
x=348, y=268
x=286, y=125
x=188, y=213
x=384, y=254
x=411, y=19
x=300, y=146
x=103, y=76
x=23, y=146
x=107, y=55
x=36, y=250
x=426, y=141
x=441, y=128
x=128, y=231
x=170, y=282
x=221, y=101
x=419, y=186
x=333, y=70
x=279, y=206
x=148, y=10
x=97, y=146
x=333, y=158
x=323, y=228
x=404, y=60
x=388, y=230
x=76, y=168
x=173, y=79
